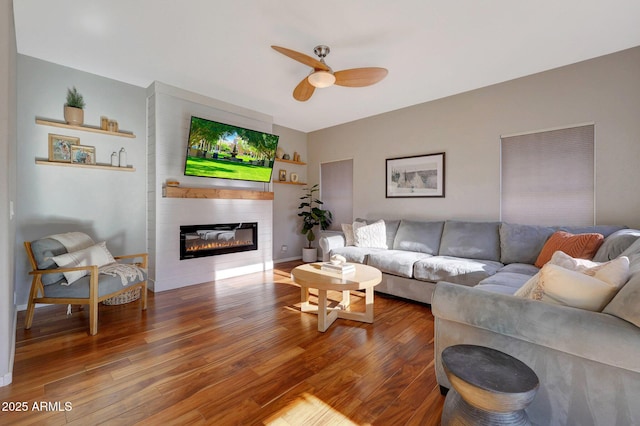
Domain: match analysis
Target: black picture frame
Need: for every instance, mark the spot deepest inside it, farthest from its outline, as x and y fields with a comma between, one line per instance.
x=416, y=176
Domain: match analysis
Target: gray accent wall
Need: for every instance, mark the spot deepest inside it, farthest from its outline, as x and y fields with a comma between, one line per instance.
x=8, y=99
x=467, y=127
x=108, y=205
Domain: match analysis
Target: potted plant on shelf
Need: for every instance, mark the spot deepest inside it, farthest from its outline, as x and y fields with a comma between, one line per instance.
x=312, y=215
x=74, y=108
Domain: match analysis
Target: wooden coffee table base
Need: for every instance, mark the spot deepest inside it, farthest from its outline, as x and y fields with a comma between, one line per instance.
x=312, y=275
x=327, y=315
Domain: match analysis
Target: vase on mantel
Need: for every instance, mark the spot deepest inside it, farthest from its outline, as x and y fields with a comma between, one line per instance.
x=73, y=116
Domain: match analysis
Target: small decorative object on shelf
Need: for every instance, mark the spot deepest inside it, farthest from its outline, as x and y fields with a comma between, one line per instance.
x=296, y=157
x=113, y=126
x=115, y=161
x=60, y=147
x=279, y=152
x=173, y=183
x=74, y=108
x=282, y=175
x=104, y=123
x=82, y=154
x=123, y=157
x=286, y=157
x=293, y=177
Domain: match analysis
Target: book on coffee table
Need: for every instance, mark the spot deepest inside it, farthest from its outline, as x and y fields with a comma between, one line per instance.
x=340, y=269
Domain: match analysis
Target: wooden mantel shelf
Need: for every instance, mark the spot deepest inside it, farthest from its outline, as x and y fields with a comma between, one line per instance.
x=216, y=193
x=85, y=128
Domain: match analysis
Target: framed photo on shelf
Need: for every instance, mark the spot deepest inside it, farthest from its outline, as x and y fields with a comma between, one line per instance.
x=416, y=176
x=60, y=147
x=83, y=154
x=282, y=176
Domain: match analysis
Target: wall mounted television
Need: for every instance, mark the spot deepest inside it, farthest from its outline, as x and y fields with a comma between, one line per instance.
x=223, y=151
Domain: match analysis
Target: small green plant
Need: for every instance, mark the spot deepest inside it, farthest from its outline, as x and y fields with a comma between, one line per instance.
x=312, y=215
x=74, y=99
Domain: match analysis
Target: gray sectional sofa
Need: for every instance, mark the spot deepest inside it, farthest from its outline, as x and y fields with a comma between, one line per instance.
x=588, y=362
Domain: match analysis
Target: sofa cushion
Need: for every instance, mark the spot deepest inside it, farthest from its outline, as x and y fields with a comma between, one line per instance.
x=605, y=230
x=615, y=244
x=107, y=284
x=355, y=254
x=396, y=262
x=471, y=240
x=513, y=280
x=522, y=243
x=626, y=304
x=423, y=237
x=454, y=269
x=44, y=251
x=520, y=268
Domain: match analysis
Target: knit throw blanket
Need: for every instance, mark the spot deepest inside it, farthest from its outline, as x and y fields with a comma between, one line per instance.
x=126, y=272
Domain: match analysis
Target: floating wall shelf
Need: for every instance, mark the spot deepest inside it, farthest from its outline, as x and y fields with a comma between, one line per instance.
x=86, y=166
x=291, y=161
x=84, y=128
x=284, y=182
x=216, y=193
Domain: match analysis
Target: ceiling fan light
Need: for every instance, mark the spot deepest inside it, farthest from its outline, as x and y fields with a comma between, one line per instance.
x=321, y=79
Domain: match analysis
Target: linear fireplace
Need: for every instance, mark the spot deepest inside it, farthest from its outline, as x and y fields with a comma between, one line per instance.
x=222, y=238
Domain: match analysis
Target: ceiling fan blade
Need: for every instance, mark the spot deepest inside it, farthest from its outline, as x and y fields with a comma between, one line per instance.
x=303, y=90
x=301, y=57
x=360, y=77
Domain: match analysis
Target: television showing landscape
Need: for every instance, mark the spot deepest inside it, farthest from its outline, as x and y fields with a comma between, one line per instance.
x=218, y=150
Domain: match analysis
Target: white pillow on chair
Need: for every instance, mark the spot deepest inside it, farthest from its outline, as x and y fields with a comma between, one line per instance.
x=94, y=255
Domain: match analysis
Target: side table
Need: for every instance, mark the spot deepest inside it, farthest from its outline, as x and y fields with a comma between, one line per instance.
x=488, y=387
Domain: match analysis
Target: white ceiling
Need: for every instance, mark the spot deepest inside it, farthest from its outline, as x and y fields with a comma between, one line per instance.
x=221, y=48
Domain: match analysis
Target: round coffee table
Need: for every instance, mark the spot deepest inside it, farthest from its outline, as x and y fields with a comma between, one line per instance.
x=311, y=275
x=488, y=387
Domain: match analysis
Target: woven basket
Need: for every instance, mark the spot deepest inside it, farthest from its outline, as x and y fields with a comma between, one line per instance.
x=122, y=298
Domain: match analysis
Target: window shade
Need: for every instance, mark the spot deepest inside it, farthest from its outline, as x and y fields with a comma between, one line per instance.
x=548, y=177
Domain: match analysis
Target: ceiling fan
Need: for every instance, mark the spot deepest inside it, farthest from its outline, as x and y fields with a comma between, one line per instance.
x=323, y=76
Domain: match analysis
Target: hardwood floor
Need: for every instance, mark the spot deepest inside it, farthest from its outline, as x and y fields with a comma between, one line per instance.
x=237, y=351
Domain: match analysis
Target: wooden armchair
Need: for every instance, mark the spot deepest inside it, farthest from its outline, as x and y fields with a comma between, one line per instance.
x=48, y=284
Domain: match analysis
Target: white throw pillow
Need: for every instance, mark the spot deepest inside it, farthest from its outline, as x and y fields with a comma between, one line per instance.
x=615, y=272
x=562, y=286
x=371, y=236
x=347, y=230
x=94, y=255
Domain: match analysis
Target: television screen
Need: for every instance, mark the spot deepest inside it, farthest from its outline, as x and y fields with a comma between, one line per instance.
x=224, y=151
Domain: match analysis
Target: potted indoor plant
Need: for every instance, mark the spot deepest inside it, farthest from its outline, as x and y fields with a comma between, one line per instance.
x=312, y=215
x=74, y=108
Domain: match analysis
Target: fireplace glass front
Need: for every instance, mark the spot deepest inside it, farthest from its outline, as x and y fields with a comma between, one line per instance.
x=222, y=238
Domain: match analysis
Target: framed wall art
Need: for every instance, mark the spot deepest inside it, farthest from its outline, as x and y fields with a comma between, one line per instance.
x=416, y=176
x=83, y=154
x=60, y=147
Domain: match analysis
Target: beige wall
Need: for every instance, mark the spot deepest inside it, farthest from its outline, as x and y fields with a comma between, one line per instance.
x=467, y=127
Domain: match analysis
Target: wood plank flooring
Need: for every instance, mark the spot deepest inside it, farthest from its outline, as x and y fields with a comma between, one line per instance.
x=237, y=351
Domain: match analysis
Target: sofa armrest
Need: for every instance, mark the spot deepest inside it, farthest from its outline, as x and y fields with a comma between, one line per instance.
x=590, y=335
x=330, y=240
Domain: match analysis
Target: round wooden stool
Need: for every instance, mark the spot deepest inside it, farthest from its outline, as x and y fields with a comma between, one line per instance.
x=489, y=387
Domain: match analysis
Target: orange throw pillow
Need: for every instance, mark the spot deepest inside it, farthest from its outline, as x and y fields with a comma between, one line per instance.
x=580, y=246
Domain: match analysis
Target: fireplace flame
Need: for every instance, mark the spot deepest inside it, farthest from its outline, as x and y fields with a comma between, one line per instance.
x=213, y=245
